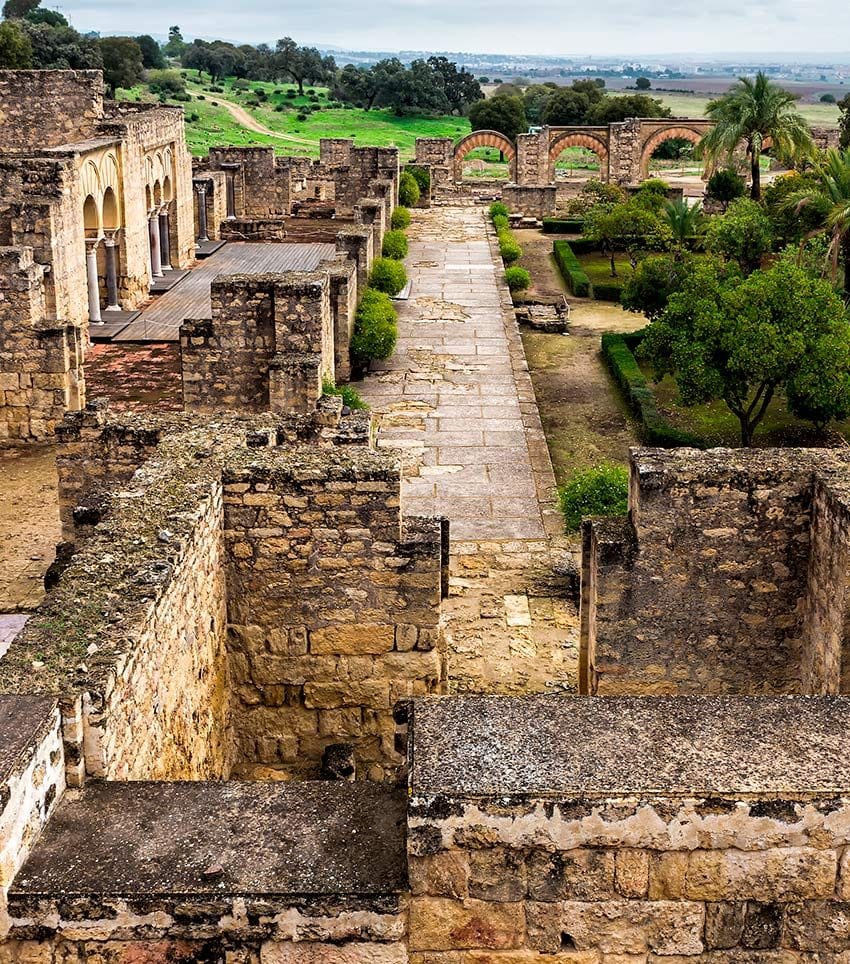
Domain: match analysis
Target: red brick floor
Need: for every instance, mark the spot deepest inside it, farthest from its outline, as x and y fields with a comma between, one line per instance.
x=135, y=377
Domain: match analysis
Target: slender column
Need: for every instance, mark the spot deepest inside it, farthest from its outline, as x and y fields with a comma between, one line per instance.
x=164, y=239
x=203, y=227
x=153, y=230
x=93, y=283
x=111, y=245
x=231, y=195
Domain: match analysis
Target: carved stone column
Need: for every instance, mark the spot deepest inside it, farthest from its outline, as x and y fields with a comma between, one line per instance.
x=111, y=245
x=203, y=226
x=93, y=282
x=164, y=238
x=156, y=261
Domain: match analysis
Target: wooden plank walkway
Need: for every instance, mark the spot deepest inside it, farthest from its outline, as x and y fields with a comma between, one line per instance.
x=191, y=298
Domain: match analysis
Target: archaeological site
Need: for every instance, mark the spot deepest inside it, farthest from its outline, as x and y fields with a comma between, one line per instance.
x=297, y=662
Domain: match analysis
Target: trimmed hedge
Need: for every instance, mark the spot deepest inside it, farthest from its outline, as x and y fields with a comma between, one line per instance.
x=571, y=270
x=395, y=245
x=517, y=279
x=563, y=225
x=500, y=223
x=497, y=209
x=583, y=245
x=400, y=219
x=509, y=247
x=408, y=190
x=607, y=292
x=655, y=429
x=375, y=328
x=388, y=276
x=600, y=491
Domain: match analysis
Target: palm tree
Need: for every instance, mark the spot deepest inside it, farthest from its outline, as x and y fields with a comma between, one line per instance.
x=687, y=222
x=754, y=111
x=831, y=194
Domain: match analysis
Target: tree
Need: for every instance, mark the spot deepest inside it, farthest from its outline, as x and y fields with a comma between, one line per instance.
x=828, y=99
x=743, y=234
x=152, y=56
x=461, y=89
x=51, y=17
x=503, y=114
x=302, y=64
x=741, y=341
x=593, y=90
x=643, y=83
x=176, y=45
x=168, y=82
x=844, y=122
x=122, y=63
x=535, y=100
x=725, y=186
x=418, y=90
x=566, y=108
x=611, y=110
x=687, y=223
x=61, y=48
x=19, y=9
x=647, y=291
x=628, y=227
x=828, y=194
x=15, y=47
x=752, y=112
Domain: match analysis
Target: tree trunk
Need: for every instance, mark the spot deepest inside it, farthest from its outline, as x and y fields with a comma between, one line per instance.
x=755, y=194
x=301, y=86
x=845, y=248
x=746, y=432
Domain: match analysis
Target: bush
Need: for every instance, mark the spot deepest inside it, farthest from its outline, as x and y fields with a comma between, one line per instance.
x=350, y=397
x=509, y=247
x=500, y=223
x=571, y=270
x=301, y=116
x=497, y=209
x=517, y=279
x=408, y=190
x=600, y=491
x=607, y=292
x=388, y=276
x=395, y=245
x=563, y=225
x=375, y=328
x=725, y=186
x=292, y=94
x=215, y=89
x=617, y=350
x=584, y=245
x=400, y=219
x=422, y=176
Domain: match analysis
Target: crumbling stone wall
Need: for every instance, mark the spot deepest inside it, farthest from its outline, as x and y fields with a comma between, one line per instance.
x=532, y=202
x=267, y=346
x=214, y=184
x=720, y=581
x=333, y=610
x=438, y=154
x=262, y=183
x=49, y=107
x=343, y=279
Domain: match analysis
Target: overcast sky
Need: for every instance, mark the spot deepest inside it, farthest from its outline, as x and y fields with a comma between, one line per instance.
x=628, y=27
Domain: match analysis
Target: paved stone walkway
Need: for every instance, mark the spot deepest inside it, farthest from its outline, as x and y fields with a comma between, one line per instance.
x=457, y=401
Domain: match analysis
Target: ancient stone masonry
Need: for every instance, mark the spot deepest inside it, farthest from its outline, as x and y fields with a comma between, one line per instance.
x=729, y=576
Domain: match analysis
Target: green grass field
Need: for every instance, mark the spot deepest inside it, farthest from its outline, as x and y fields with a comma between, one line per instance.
x=693, y=105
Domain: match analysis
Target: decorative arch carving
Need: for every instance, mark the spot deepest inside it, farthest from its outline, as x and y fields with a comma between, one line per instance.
x=484, y=139
x=576, y=139
x=666, y=134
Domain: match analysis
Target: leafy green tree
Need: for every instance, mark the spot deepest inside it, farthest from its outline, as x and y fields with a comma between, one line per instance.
x=593, y=90
x=829, y=197
x=596, y=195
x=743, y=234
x=15, y=47
x=62, y=48
x=828, y=99
x=643, y=83
x=844, y=122
x=122, y=63
x=628, y=227
x=460, y=87
x=725, y=185
x=19, y=9
x=752, y=112
x=656, y=277
x=535, y=100
x=302, y=64
x=819, y=392
x=789, y=221
x=741, y=341
x=168, y=82
x=503, y=114
x=418, y=90
x=687, y=223
x=611, y=110
x=51, y=17
x=176, y=45
x=152, y=56
x=566, y=108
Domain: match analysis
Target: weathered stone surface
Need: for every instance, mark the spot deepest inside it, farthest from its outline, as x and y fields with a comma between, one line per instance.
x=441, y=924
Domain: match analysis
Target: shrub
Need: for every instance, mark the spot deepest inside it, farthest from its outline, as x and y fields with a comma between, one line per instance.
x=607, y=292
x=292, y=94
x=215, y=89
x=509, y=247
x=563, y=225
x=395, y=245
x=500, y=223
x=301, y=116
x=422, y=176
x=388, y=276
x=725, y=186
x=400, y=219
x=497, y=209
x=408, y=190
x=600, y=491
x=583, y=245
x=350, y=397
x=517, y=279
x=571, y=270
x=201, y=97
x=617, y=350
x=280, y=108
x=375, y=328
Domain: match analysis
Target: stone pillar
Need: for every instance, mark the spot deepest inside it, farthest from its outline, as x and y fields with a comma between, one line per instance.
x=165, y=238
x=93, y=282
x=203, y=226
x=111, y=244
x=230, y=174
x=153, y=230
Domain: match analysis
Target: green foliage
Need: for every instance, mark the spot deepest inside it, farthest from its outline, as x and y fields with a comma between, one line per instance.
x=643, y=83
x=607, y=292
x=61, y=48
x=18, y=9
x=652, y=282
x=517, y=279
x=600, y=491
x=387, y=276
x=422, y=176
x=629, y=227
x=686, y=221
x=566, y=108
x=743, y=234
x=844, y=122
x=498, y=209
x=152, y=55
x=166, y=82
x=791, y=220
x=350, y=397
x=501, y=223
x=571, y=269
x=611, y=110
x=725, y=185
x=596, y=194
x=408, y=190
x=400, y=219
x=743, y=340
x=819, y=391
x=15, y=47
x=563, y=225
x=617, y=351
x=509, y=247
x=375, y=328
x=501, y=113
x=653, y=192
x=395, y=245
x=122, y=62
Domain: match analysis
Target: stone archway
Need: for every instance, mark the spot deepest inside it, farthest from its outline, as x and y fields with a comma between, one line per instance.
x=655, y=141
x=484, y=139
x=576, y=139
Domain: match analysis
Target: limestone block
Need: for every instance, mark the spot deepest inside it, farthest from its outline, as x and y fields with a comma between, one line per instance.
x=315, y=953
x=353, y=640
x=440, y=924
x=497, y=875
x=571, y=875
x=444, y=874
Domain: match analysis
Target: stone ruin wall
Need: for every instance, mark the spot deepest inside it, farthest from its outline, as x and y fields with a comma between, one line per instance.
x=215, y=200
x=728, y=577
x=262, y=184
x=49, y=108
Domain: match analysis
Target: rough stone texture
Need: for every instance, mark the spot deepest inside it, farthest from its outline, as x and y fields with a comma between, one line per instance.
x=729, y=576
x=530, y=200
x=49, y=107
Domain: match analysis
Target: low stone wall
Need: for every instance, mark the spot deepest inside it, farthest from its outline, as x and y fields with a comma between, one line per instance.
x=253, y=229
x=654, y=830
x=348, y=624
x=722, y=580
x=531, y=202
